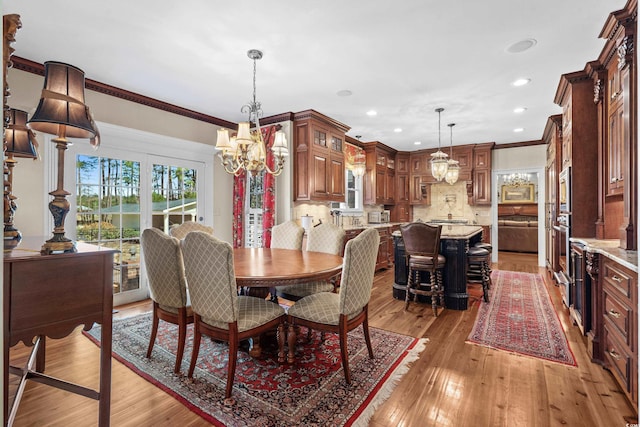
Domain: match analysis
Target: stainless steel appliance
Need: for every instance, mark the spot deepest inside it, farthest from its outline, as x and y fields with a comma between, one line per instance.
x=379, y=217
x=563, y=275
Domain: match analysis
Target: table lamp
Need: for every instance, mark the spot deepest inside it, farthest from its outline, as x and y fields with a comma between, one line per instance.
x=62, y=112
x=20, y=141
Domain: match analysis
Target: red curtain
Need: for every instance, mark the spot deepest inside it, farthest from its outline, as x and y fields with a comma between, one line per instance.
x=269, y=199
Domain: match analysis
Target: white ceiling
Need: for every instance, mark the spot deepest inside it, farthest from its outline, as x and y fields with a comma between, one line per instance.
x=402, y=59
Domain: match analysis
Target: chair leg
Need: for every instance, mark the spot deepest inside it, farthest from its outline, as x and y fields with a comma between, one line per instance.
x=408, y=289
x=233, y=357
x=485, y=282
x=440, y=287
x=197, y=337
x=344, y=352
x=182, y=336
x=367, y=338
x=433, y=285
x=154, y=330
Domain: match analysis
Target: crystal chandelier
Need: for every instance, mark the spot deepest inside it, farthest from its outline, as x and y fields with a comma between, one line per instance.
x=439, y=164
x=247, y=150
x=517, y=179
x=359, y=163
x=453, y=168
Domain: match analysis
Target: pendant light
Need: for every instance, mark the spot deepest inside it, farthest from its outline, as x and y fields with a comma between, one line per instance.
x=453, y=167
x=439, y=164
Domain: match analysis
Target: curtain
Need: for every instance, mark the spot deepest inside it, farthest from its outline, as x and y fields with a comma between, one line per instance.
x=239, y=184
x=269, y=200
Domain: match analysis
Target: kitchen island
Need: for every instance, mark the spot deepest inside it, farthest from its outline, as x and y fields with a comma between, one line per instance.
x=455, y=241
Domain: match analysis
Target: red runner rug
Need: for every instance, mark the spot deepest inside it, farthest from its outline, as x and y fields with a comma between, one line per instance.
x=520, y=318
x=310, y=392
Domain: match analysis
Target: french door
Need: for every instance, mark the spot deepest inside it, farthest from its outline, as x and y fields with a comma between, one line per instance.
x=118, y=193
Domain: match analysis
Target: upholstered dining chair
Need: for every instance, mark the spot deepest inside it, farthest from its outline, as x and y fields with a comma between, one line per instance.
x=165, y=270
x=326, y=238
x=422, y=246
x=180, y=231
x=343, y=311
x=219, y=312
x=287, y=235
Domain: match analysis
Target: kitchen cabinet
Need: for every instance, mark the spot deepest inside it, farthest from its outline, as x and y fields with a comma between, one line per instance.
x=319, y=165
x=464, y=155
x=420, y=190
x=580, y=288
x=383, y=260
x=580, y=149
x=481, y=187
x=380, y=177
x=401, y=212
x=552, y=136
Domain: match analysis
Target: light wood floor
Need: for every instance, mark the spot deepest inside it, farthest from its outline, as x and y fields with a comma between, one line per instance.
x=452, y=384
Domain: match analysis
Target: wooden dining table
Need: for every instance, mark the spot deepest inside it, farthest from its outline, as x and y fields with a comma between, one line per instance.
x=259, y=270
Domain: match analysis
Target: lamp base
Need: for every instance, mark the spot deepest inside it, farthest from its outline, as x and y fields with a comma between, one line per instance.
x=58, y=244
x=12, y=237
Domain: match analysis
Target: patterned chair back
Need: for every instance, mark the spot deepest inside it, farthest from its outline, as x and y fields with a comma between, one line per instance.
x=208, y=263
x=358, y=268
x=326, y=237
x=181, y=230
x=165, y=269
x=287, y=235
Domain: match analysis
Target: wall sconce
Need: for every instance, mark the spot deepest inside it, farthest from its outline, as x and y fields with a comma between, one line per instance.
x=62, y=112
x=20, y=142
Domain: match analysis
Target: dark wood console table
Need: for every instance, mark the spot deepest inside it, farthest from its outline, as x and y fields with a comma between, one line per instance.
x=49, y=296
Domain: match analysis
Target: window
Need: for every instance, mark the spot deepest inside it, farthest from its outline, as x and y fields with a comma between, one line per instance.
x=254, y=208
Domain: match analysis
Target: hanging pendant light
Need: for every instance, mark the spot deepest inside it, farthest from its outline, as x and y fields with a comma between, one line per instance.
x=439, y=164
x=453, y=167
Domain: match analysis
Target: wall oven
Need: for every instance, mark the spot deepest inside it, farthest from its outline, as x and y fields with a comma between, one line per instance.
x=562, y=276
x=564, y=187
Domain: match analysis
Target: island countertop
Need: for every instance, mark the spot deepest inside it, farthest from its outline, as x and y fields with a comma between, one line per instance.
x=455, y=231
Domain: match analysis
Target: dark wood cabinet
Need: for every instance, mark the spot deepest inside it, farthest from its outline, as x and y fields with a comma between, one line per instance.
x=552, y=136
x=401, y=211
x=580, y=307
x=420, y=190
x=380, y=178
x=481, y=175
x=319, y=165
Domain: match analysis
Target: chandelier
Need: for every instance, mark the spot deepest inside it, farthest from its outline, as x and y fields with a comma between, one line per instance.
x=247, y=150
x=453, y=167
x=359, y=163
x=517, y=179
x=439, y=164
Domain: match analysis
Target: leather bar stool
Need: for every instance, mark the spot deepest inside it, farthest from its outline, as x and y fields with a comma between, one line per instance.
x=478, y=271
x=422, y=244
x=476, y=274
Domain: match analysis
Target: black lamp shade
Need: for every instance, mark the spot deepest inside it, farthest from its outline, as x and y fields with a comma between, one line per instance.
x=17, y=136
x=62, y=102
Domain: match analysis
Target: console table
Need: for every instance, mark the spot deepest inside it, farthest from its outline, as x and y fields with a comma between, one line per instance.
x=49, y=296
x=454, y=244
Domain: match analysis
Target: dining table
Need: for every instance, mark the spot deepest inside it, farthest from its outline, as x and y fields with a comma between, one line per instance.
x=259, y=270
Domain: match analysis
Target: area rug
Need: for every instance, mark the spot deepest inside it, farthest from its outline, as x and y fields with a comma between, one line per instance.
x=520, y=318
x=310, y=392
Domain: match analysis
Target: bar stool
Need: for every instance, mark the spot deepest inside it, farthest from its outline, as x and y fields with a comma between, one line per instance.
x=478, y=270
x=488, y=247
x=422, y=244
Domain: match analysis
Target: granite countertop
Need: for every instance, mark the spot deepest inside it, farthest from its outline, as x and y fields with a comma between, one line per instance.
x=455, y=231
x=610, y=248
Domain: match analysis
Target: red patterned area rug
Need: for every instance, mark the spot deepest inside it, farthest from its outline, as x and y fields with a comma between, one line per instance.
x=310, y=392
x=520, y=318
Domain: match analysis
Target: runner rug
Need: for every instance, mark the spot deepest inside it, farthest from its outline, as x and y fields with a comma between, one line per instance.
x=520, y=318
x=310, y=392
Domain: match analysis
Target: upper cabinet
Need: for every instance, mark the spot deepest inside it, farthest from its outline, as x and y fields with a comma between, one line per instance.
x=380, y=177
x=481, y=186
x=319, y=165
x=401, y=211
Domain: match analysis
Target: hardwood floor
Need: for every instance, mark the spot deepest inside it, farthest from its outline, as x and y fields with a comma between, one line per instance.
x=452, y=384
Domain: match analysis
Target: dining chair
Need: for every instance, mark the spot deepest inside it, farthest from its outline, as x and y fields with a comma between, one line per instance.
x=180, y=231
x=343, y=311
x=219, y=312
x=422, y=246
x=165, y=271
x=287, y=235
x=326, y=238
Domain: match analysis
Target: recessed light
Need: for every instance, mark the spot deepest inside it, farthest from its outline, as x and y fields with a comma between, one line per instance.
x=371, y=113
x=522, y=45
x=519, y=110
x=521, y=82
x=417, y=143
x=397, y=130
x=344, y=92
x=518, y=130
